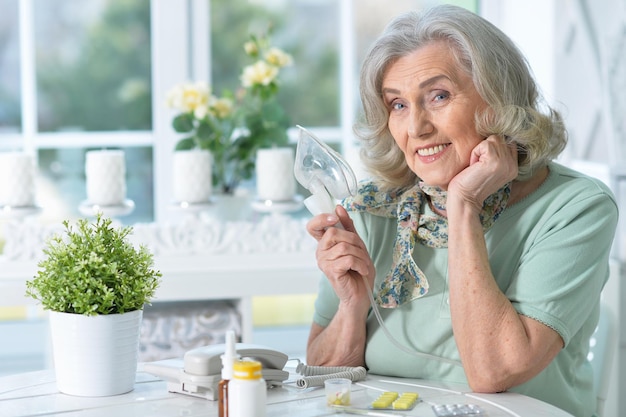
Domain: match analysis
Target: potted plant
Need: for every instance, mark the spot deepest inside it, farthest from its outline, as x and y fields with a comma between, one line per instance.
x=232, y=127
x=94, y=283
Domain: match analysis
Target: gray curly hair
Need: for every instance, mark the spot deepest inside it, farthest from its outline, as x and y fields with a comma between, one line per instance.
x=501, y=75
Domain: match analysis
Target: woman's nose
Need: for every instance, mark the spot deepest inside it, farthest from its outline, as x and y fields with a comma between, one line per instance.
x=419, y=124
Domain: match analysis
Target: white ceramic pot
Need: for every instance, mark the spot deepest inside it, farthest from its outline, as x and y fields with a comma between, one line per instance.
x=95, y=356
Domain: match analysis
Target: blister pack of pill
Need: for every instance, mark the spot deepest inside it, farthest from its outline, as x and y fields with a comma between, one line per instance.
x=390, y=400
x=453, y=410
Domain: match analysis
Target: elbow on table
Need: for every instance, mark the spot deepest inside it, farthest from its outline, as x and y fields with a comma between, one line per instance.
x=493, y=381
x=487, y=387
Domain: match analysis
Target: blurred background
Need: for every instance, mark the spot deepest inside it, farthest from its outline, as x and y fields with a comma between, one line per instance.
x=82, y=75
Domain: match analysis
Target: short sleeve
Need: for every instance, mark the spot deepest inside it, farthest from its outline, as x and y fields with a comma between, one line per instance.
x=565, y=266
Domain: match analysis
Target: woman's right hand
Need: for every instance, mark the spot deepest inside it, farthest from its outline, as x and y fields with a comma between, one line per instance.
x=343, y=257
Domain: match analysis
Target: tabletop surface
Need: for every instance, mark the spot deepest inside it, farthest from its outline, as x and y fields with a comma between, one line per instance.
x=35, y=394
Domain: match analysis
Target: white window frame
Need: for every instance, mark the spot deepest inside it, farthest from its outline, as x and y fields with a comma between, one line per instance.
x=180, y=35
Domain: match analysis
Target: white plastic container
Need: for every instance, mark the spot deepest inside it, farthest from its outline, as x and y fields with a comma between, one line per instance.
x=247, y=392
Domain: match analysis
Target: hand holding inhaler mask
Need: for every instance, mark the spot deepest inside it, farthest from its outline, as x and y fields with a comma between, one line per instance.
x=329, y=178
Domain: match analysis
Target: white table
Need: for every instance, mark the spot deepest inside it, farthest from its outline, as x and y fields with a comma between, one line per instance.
x=35, y=394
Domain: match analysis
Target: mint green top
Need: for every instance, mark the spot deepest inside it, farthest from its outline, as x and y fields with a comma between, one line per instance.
x=549, y=254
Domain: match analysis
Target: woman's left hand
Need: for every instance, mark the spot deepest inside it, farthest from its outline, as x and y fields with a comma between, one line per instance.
x=493, y=163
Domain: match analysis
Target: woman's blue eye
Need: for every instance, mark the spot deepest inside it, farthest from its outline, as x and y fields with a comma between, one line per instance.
x=397, y=106
x=441, y=96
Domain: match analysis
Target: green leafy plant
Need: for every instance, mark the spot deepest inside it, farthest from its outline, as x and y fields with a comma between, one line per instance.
x=234, y=126
x=94, y=269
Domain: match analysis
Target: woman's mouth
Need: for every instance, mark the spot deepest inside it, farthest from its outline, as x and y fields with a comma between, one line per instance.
x=433, y=150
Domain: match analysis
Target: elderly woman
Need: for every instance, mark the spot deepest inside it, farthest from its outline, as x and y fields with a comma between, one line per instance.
x=485, y=257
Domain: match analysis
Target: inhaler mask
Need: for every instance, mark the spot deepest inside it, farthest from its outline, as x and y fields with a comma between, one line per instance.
x=329, y=178
x=323, y=172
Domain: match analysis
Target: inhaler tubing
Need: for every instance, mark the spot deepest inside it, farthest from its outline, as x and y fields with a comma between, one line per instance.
x=354, y=374
x=398, y=344
x=369, y=293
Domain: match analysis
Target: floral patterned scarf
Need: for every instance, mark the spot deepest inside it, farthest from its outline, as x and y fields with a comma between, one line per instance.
x=406, y=281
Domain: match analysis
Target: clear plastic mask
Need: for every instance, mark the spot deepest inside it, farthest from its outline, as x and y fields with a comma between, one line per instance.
x=323, y=172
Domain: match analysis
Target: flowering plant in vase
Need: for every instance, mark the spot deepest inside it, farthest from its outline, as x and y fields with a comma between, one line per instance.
x=234, y=126
x=206, y=120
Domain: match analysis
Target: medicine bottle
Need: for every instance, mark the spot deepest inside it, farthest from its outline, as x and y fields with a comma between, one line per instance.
x=247, y=392
x=228, y=358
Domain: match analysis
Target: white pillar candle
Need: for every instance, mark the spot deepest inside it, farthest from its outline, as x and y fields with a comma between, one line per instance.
x=106, y=177
x=17, y=172
x=192, y=176
x=274, y=174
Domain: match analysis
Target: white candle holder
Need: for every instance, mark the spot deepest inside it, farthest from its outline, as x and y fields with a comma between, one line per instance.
x=18, y=212
x=117, y=210
x=271, y=206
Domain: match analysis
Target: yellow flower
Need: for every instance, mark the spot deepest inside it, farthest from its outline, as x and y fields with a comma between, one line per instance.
x=195, y=95
x=278, y=57
x=223, y=107
x=259, y=73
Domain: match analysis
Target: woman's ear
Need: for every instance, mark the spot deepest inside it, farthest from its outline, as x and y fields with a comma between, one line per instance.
x=522, y=154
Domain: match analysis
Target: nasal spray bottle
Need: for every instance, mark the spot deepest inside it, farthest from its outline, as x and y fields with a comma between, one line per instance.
x=228, y=359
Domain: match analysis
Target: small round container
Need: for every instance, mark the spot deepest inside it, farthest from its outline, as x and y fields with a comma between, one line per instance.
x=337, y=391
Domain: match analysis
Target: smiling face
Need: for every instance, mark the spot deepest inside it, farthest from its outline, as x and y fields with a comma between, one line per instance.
x=432, y=104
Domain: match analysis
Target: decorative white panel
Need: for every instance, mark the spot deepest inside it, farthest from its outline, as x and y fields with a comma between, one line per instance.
x=272, y=234
x=193, y=236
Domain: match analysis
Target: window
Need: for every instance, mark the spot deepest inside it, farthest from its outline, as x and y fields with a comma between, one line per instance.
x=85, y=75
x=309, y=30
x=10, y=97
x=76, y=76
x=82, y=75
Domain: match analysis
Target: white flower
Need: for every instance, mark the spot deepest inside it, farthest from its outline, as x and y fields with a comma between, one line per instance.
x=251, y=48
x=188, y=97
x=172, y=99
x=259, y=73
x=200, y=112
x=278, y=57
